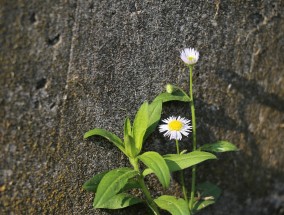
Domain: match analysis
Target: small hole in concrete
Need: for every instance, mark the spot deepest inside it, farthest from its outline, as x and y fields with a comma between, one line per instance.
x=91, y=6
x=40, y=83
x=33, y=18
x=54, y=40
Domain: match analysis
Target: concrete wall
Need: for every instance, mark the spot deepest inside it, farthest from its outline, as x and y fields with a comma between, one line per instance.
x=69, y=66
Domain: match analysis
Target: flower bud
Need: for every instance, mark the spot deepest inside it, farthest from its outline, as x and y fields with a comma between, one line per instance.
x=170, y=88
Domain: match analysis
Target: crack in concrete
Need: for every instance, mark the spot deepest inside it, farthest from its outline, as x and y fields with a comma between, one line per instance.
x=265, y=22
x=68, y=75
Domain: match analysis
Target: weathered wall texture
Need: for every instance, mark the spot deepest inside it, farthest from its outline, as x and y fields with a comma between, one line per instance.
x=69, y=66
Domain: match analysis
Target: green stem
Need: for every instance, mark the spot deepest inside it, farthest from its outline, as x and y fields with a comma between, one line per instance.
x=177, y=145
x=192, y=187
x=144, y=188
x=192, y=108
x=182, y=177
x=193, y=179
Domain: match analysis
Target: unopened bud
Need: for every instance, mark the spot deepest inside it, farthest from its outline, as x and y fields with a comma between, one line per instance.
x=170, y=88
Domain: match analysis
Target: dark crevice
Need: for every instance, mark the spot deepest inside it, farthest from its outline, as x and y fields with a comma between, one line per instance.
x=132, y=7
x=40, y=83
x=33, y=18
x=52, y=105
x=54, y=40
x=91, y=6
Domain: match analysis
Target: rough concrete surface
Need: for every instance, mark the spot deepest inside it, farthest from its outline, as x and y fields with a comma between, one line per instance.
x=69, y=66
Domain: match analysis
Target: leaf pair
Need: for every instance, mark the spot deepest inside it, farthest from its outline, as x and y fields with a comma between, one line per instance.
x=109, y=186
x=145, y=122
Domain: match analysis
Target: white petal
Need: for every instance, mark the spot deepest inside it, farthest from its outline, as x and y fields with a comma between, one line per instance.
x=185, y=59
x=179, y=136
x=184, y=133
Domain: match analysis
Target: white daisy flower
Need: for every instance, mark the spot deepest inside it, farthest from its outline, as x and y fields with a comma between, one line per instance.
x=189, y=56
x=175, y=127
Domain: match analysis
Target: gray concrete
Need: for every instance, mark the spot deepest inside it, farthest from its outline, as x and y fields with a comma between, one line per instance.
x=69, y=66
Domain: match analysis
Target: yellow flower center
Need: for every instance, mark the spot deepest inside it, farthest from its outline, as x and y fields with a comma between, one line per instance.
x=175, y=125
x=190, y=58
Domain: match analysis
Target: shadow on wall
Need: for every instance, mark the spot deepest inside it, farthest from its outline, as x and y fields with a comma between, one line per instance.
x=250, y=89
x=244, y=173
x=247, y=174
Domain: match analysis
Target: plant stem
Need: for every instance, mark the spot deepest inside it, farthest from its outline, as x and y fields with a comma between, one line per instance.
x=193, y=179
x=144, y=188
x=147, y=194
x=182, y=177
x=177, y=145
x=192, y=108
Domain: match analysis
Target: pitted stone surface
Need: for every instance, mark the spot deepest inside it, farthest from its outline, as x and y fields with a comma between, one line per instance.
x=69, y=66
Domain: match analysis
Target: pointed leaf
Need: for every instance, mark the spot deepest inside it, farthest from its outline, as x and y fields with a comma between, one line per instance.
x=140, y=125
x=177, y=95
x=220, y=146
x=111, y=184
x=106, y=134
x=129, y=143
x=130, y=148
x=173, y=205
x=127, y=128
x=177, y=162
x=155, y=110
x=157, y=164
x=92, y=184
x=120, y=200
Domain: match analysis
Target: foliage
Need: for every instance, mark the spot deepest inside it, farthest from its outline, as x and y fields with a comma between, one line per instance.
x=112, y=187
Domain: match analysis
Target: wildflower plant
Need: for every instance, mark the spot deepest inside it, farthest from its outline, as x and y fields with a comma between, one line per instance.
x=112, y=188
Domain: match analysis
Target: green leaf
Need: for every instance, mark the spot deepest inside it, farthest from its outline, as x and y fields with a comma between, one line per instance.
x=92, y=184
x=111, y=184
x=147, y=172
x=198, y=205
x=128, y=139
x=130, y=148
x=209, y=193
x=208, y=189
x=121, y=200
x=132, y=183
x=127, y=128
x=220, y=146
x=176, y=162
x=157, y=164
x=106, y=134
x=177, y=95
x=172, y=205
x=155, y=110
x=140, y=125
